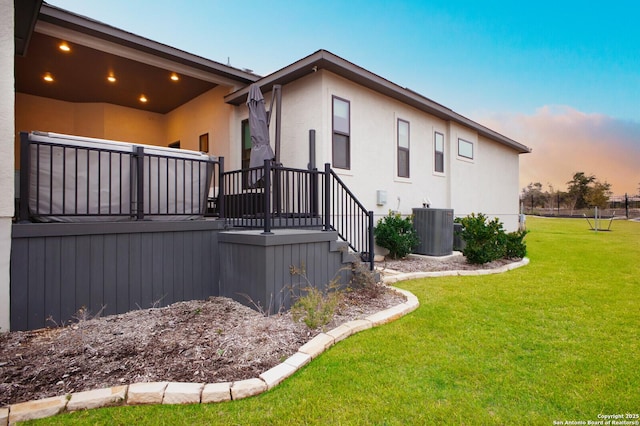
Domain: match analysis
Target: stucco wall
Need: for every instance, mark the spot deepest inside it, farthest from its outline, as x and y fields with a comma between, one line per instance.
x=96, y=120
x=208, y=113
x=205, y=114
x=486, y=184
x=6, y=159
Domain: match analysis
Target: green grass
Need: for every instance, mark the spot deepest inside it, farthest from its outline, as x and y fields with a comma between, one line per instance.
x=555, y=340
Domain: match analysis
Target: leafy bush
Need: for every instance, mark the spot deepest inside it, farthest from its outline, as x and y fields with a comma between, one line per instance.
x=396, y=234
x=516, y=247
x=487, y=241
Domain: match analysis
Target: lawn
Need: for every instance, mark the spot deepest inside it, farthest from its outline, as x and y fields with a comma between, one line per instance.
x=556, y=340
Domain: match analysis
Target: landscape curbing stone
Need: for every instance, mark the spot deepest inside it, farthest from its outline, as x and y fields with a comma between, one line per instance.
x=146, y=393
x=182, y=393
x=298, y=360
x=359, y=325
x=216, y=392
x=37, y=409
x=4, y=416
x=274, y=376
x=387, y=315
x=317, y=345
x=247, y=388
x=97, y=398
x=340, y=333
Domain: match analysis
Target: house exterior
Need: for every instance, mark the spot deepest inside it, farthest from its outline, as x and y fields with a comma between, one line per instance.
x=391, y=143
x=394, y=148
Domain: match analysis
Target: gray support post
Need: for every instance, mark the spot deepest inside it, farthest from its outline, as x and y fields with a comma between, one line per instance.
x=139, y=183
x=221, y=184
x=371, y=241
x=327, y=197
x=267, y=197
x=25, y=166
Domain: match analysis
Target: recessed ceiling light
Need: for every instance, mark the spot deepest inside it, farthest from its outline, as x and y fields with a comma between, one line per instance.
x=111, y=78
x=48, y=77
x=64, y=47
x=174, y=76
x=143, y=98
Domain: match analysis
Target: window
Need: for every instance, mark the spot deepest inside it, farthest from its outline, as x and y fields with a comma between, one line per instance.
x=175, y=145
x=465, y=149
x=438, y=148
x=204, y=142
x=403, y=148
x=245, y=151
x=341, y=156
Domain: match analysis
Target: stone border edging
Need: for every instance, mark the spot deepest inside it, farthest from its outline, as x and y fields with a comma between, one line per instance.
x=194, y=393
x=394, y=277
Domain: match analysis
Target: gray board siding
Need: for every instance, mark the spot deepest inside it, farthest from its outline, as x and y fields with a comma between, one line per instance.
x=256, y=267
x=108, y=268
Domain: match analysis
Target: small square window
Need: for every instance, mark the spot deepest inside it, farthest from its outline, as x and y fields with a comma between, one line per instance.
x=465, y=149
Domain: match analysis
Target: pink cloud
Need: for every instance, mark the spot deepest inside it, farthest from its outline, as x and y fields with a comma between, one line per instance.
x=565, y=141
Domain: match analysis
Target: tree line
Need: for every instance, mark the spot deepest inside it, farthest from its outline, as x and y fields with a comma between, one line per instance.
x=583, y=191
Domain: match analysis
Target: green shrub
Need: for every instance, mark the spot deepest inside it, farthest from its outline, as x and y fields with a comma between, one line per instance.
x=486, y=241
x=396, y=234
x=316, y=308
x=516, y=247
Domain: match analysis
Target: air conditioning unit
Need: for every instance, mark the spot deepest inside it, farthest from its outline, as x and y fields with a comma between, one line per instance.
x=435, y=230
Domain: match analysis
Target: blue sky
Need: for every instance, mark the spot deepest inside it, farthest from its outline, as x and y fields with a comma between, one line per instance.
x=557, y=76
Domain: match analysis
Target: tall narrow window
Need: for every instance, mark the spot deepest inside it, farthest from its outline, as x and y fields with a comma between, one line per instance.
x=465, y=149
x=245, y=151
x=341, y=155
x=438, y=154
x=204, y=142
x=403, y=148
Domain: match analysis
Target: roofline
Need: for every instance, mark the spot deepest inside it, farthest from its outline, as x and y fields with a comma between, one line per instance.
x=323, y=59
x=81, y=24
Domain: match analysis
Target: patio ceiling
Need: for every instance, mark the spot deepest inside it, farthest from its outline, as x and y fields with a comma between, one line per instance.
x=97, y=51
x=81, y=75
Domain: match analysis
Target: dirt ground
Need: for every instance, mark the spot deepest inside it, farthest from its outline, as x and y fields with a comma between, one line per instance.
x=206, y=341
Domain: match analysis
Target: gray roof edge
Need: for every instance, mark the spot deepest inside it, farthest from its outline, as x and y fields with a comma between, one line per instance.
x=351, y=71
x=83, y=24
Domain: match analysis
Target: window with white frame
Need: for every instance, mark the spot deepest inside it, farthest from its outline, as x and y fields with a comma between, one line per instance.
x=438, y=152
x=465, y=149
x=403, y=148
x=341, y=130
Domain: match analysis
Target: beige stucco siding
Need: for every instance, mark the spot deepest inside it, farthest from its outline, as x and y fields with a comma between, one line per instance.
x=487, y=183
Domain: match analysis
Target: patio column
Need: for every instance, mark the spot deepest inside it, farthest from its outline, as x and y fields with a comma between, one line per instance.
x=7, y=135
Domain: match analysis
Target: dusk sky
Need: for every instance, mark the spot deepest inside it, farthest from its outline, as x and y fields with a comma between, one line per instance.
x=562, y=77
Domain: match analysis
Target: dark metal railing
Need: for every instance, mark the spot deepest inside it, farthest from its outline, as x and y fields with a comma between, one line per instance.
x=59, y=181
x=283, y=197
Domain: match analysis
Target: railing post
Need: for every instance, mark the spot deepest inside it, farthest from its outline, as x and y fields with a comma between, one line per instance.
x=221, y=185
x=371, y=241
x=139, y=183
x=25, y=168
x=327, y=196
x=267, y=197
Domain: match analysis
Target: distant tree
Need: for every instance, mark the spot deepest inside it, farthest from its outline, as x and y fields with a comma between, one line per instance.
x=532, y=195
x=579, y=188
x=598, y=195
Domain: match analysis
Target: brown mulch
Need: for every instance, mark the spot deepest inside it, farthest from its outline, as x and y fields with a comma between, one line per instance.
x=217, y=340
